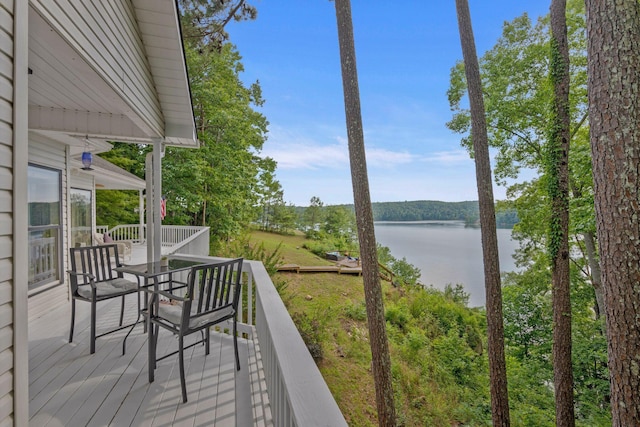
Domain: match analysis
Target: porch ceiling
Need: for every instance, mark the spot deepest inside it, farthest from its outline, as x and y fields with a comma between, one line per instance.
x=108, y=176
x=69, y=98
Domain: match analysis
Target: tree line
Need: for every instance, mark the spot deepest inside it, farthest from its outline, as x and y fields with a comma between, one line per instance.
x=550, y=90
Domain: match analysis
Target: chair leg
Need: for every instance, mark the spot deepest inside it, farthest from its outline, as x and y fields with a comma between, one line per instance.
x=235, y=343
x=122, y=311
x=73, y=319
x=206, y=342
x=93, y=327
x=182, y=379
x=156, y=331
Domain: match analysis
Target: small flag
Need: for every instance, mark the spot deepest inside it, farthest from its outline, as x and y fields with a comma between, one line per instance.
x=163, y=207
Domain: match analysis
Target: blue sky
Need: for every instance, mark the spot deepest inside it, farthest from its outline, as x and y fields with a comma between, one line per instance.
x=404, y=56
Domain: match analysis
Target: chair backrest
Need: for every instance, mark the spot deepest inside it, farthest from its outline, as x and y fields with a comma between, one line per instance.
x=214, y=286
x=95, y=260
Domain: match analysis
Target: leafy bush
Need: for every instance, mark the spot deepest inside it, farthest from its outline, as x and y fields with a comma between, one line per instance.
x=397, y=315
x=330, y=244
x=310, y=332
x=356, y=311
x=242, y=248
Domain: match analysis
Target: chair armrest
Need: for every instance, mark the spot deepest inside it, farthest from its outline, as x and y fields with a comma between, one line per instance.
x=79, y=273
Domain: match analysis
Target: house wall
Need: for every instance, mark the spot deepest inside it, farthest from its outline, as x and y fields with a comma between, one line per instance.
x=14, y=365
x=106, y=35
x=44, y=152
x=6, y=210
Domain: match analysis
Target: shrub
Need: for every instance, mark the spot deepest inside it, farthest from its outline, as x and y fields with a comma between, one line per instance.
x=270, y=259
x=397, y=315
x=356, y=311
x=310, y=332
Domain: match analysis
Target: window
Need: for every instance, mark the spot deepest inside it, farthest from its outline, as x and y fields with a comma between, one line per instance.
x=45, y=226
x=80, y=217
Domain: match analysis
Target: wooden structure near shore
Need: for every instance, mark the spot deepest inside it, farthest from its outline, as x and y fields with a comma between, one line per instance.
x=340, y=268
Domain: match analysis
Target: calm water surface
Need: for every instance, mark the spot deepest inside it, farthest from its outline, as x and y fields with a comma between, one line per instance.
x=445, y=252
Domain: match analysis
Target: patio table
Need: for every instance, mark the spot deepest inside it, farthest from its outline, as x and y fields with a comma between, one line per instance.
x=152, y=273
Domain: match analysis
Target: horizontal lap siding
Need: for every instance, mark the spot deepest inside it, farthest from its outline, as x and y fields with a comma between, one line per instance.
x=107, y=34
x=6, y=211
x=44, y=152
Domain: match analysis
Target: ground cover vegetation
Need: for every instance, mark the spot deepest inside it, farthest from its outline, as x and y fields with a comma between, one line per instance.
x=437, y=345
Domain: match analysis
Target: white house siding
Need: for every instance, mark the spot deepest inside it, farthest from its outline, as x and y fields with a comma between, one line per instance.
x=105, y=33
x=44, y=152
x=6, y=212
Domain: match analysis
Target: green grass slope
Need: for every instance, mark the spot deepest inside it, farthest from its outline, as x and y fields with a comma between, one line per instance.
x=436, y=344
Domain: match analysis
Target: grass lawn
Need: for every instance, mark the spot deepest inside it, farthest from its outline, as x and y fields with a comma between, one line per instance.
x=324, y=298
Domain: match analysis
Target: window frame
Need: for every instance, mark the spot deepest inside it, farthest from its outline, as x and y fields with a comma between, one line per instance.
x=59, y=228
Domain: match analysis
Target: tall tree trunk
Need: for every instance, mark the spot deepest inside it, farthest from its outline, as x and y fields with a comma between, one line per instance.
x=495, y=327
x=204, y=208
x=613, y=52
x=381, y=362
x=594, y=266
x=593, y=261
x=558, y=240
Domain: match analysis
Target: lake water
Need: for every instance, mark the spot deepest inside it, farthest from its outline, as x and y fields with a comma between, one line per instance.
x=445, y=252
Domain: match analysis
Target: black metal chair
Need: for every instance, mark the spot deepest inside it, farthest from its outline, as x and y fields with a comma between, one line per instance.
x=93, y=279
x=212, y=295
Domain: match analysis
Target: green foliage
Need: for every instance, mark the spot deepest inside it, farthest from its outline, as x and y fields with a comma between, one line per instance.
x=216, y=184
x=423, y=210
x=339, y=223
x=438, y=359
x=330, y=244
x=404, y=273
x=310, y=332
x=313, y=216
x=203, y=21
x=114, y=207
x=275, y=214
x=356, y=311
x=528, y=337
x=397, y=315
x=419, y=210
x=517, y=93
x=527, y=314
x=440, y=366
x=270, y=259
x=456, y=293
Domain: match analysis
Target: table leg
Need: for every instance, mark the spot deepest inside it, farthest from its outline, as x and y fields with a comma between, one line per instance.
x=150, y=331
x=124, y=342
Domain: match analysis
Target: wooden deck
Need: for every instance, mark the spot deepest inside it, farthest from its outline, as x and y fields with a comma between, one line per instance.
x=70, y=387
x=340, y=269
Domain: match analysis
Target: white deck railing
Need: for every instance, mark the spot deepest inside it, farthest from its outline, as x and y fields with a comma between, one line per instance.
x=43, y=254
x=188, y=240
x=298, y=394
x=132, y=232
x=101, y=229
x=171, y=235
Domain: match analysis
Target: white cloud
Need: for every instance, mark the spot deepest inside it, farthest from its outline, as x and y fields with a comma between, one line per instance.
x=449, y=157
x=296, y=152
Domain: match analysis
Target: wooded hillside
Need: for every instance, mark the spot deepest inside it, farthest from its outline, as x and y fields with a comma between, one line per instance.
x=433, y=210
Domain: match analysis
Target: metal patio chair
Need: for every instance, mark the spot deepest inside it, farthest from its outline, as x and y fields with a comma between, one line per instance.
x=212, y=295
x=92, y=279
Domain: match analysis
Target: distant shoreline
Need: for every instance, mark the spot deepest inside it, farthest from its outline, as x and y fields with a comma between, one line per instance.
x=431, y=210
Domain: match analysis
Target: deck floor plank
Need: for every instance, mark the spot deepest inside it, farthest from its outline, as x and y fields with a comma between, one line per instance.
x=203, y=399
x=70, y=387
